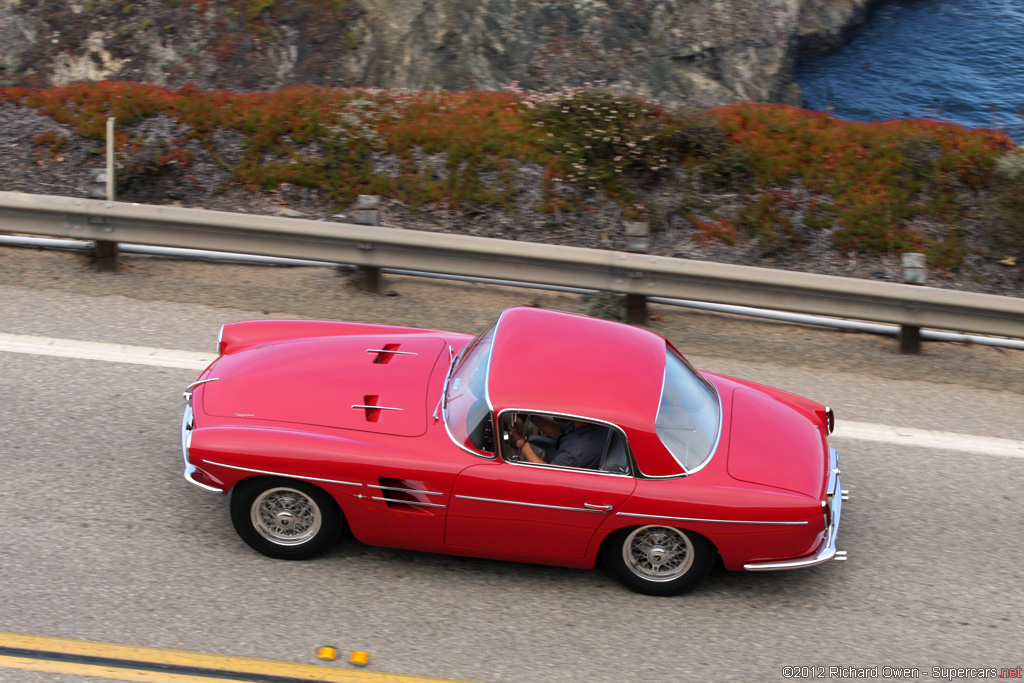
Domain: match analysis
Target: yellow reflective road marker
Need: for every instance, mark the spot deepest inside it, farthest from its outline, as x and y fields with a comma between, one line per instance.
x=152, y=665
x=327, y=653
x=359, y=658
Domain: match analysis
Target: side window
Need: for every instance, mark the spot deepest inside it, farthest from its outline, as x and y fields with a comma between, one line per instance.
x=616, y=458
x=562, y=442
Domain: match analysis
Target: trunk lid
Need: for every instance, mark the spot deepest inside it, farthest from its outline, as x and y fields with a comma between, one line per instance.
x=776, y=444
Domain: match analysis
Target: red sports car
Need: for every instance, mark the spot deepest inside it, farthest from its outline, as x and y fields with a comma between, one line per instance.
x=550, y=438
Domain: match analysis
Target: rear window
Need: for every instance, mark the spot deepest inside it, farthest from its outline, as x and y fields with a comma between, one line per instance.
x=689, y=415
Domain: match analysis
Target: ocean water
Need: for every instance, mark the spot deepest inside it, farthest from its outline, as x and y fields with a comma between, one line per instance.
x=953, y=60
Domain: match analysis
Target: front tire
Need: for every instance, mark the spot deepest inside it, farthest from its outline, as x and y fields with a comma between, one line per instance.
x=658, y=560
x=285, y=519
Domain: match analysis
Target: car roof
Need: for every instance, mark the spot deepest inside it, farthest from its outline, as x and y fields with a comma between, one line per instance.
x=554, y=362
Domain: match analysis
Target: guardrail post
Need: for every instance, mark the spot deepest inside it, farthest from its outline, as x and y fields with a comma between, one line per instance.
x=910, y=340
x=636, y=309
x=915, y=272
x=106, y=256
x=638, y=241
x=637, y=236
x=367, y=212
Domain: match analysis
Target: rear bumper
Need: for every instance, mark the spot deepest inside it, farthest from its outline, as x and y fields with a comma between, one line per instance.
x=827, y=550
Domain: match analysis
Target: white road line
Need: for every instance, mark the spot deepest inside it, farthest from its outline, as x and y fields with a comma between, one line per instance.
x=117, y=353
x=191, y=360
x=926, y=438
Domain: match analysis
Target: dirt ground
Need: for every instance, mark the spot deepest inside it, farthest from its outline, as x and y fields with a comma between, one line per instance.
x=276, y=291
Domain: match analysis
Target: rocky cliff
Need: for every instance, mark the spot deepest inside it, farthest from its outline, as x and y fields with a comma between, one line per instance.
x=708, y=51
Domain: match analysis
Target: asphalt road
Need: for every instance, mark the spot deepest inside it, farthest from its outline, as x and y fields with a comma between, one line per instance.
x=101, y=538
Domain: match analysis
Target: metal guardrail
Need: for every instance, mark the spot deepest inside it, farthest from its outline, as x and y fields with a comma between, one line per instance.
x=633, y=274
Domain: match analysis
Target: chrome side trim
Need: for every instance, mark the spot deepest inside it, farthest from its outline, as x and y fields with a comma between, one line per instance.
x=282, y=474
x=220, y=338
x=531, y=505
x=407, y=502
x=713, y=521
x=397, y=353
x=399, y=488
x=376, y=407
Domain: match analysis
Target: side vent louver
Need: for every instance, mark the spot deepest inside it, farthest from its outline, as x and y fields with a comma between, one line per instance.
x=405, y=495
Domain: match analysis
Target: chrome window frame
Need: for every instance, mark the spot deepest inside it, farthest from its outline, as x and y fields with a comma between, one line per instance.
x=721, y=416
x=487, y=393
x=625, y=440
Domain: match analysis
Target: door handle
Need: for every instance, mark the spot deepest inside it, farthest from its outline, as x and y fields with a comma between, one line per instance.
x=602, y=508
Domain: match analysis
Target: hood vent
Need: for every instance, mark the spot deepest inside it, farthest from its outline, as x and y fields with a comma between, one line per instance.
x=389, y=351
x=373, y=411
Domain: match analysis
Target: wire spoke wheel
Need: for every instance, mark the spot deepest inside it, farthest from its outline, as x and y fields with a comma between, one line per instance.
x=286, y=516
x=658, y=560
x=658, y=553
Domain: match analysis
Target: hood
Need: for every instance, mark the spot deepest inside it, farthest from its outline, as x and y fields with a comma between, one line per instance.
x=776, y=444
x=365, y=383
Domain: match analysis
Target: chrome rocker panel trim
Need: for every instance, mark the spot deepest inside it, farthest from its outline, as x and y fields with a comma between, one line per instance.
x=827, y=550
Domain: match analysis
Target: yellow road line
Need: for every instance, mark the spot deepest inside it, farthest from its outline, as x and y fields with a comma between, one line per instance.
x=94, y=671
x=134, y=659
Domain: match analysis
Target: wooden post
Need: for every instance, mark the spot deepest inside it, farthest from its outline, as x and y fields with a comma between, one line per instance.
x=370, y=279
x=910, y=340
x=367, y=212
x=636, y=309
x=107, y=254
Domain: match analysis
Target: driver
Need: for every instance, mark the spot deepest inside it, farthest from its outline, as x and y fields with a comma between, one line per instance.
x=577, y=443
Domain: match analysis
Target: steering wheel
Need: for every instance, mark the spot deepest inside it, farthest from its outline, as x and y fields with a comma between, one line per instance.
x=506, y=437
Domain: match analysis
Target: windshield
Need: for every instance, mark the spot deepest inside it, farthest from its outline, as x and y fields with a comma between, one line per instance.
x=689, y=416
x=466, y=414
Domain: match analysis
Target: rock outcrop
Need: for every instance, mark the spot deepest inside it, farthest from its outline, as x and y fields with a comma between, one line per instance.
x=702, y=51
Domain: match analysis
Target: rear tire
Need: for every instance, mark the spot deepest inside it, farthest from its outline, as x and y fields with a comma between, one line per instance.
x=658, y=560
x=285, y=519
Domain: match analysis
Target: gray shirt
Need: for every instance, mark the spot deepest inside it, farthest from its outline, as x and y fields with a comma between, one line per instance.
x=580, y=446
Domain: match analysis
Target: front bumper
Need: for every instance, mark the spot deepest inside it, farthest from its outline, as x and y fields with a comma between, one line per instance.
x=186, y=440
x=827, y=550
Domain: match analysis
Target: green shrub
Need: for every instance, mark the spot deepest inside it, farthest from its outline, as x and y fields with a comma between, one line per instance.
x=767, y=221
x=607, y=305
x=607, y=140
x=1007, y=222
